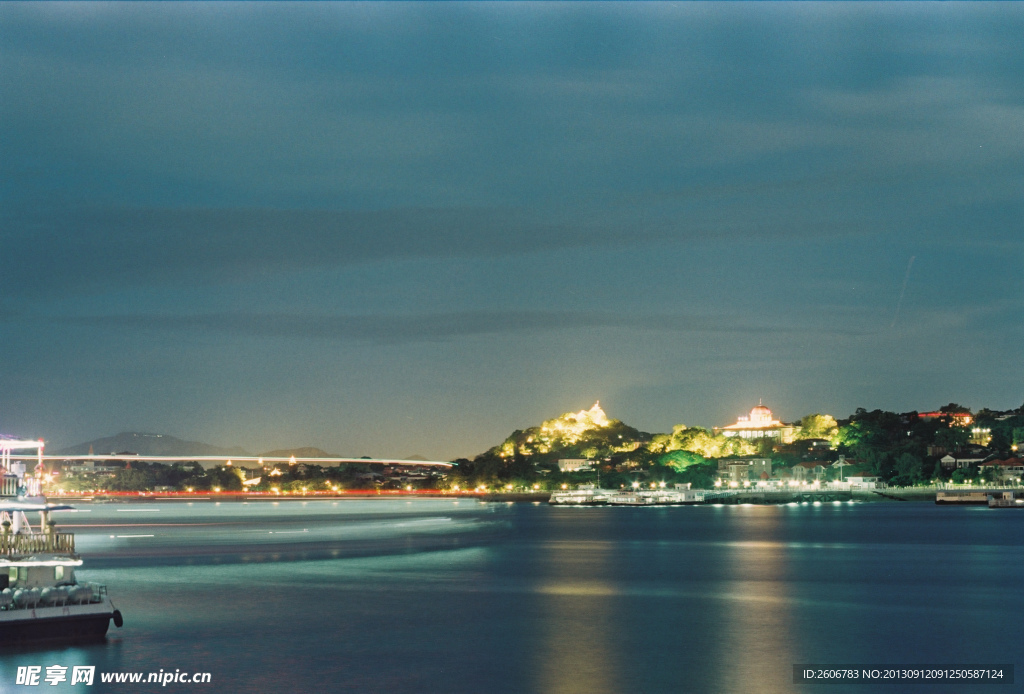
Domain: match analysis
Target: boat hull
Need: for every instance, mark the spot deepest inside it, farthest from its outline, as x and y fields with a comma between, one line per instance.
x=54, y=624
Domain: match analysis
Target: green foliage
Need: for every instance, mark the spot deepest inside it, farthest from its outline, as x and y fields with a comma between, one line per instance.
x=143, y=476
x=909, y=469
x=706, y=444
x=1000, y=440
x=700, y=475
x=871, y=431
x=680, y=460
x=131, y=480
x=818, y=426
x=951, y=438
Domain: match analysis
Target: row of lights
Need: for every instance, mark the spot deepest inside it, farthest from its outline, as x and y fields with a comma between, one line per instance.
x=791, y=483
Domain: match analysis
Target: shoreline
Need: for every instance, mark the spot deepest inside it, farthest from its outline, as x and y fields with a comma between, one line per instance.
x=775, y=498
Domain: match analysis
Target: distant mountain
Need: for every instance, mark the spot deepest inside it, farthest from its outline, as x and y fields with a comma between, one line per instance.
x=304, y=452
x=149, y=444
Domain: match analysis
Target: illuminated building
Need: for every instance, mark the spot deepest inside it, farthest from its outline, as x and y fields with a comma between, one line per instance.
x=959, y=419
x=574, y=465
x=1003, y=470
x=759, y=424
x=741, y=469
x=981, y=436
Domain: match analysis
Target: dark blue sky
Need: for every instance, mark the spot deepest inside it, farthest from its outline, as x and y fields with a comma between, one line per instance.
x=389, y=229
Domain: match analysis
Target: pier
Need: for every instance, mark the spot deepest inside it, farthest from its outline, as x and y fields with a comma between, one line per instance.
x=781, y=496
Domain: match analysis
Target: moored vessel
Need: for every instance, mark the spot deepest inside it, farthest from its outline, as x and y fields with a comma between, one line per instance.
x=1006, y=499
x=41, y=599
x=587, y=495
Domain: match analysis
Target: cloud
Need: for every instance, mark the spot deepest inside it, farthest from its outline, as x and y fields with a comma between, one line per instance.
x=431, y=327
x=93, y=249
x=110, y=248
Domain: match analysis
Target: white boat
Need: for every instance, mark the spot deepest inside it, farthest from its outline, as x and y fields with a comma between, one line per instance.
x=1006, y=499
x=588, y=496
x=657, y=497
x=40, y=597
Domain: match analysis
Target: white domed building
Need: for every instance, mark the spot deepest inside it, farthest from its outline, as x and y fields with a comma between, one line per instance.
x=759, y=424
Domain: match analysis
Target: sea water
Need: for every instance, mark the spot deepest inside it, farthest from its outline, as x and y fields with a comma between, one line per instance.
x=442, y=595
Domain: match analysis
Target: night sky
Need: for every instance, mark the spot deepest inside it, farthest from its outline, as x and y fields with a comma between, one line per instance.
x=395, y=229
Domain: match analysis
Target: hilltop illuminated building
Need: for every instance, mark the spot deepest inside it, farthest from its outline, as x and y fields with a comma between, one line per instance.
x=759, y=424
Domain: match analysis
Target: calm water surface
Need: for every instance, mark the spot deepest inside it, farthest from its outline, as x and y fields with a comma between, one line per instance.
x=443, y=596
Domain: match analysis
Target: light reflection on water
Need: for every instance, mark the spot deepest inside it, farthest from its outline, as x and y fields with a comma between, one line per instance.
x=757, y=648
x=575, y=649
x=439, y=596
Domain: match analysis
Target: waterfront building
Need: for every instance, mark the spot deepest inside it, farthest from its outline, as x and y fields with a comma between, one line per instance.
x=1004, y=470
x=759, y=424
x=90, y=467
x=575, y=465
x=839, y=471
x=812, y=470
x=864, y=481
x=961, y=460
x=741, y=469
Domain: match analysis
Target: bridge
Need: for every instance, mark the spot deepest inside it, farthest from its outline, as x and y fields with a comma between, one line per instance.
x=8, y=445
x=233, y=459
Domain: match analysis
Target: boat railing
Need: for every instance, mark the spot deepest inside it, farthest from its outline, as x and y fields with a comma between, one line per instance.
x=9, y=599
x=12, y=544
x=99, y=590
x=10, y=485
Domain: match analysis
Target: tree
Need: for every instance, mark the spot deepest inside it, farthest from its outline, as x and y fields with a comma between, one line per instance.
x=951, y=438
x=818, y=426
x=704, y=443
x=659, y=443
x=132, y=480
x=700, y=476
x=908, y=469
x=225, y=478
x=694, y=439
x=873, y=436
x=680, y=460
x=999, y=440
